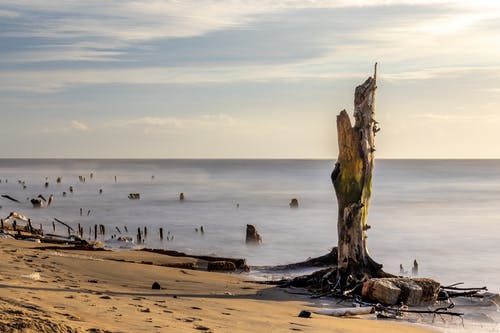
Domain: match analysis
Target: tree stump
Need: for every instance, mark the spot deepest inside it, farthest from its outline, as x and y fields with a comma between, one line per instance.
x=352, y=180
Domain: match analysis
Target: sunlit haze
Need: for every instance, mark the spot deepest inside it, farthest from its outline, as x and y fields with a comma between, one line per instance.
x=246, y=79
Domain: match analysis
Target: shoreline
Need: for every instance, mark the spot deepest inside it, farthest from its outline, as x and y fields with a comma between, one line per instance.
x=81, y=291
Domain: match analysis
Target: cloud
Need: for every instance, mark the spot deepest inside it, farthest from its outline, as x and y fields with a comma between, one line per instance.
x=151, y=124
x=457, y=117
x=158, y=122
x=120, y=42
x=8, y=13
x=79, y=126
x=55, y=81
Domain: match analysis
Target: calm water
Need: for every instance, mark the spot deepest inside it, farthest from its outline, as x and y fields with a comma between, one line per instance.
x=444, y=213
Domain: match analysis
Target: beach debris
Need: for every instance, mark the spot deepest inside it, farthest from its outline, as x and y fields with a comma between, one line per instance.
x=64, y=224
x=134, y=196
x=238, y=262
x=181, y=196
x=37, y=203
x=58, y=180
x=46, y=184
x=253, y=236
x=118, y=229
x=409, y=291
x=71, y=189
x=10, y=198
x=304, y=314
x=33, y=276
x=294, y=203
x=16, y=215
x=156, y=285
x=326, y=260
x=343, y=312
x=221, y=266
x=201, y=328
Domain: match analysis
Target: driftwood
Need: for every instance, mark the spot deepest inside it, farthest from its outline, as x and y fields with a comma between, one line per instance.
x=329, y=259
x=238, y=263
x=343, y=312
x=16, y=215
x=10, y=198
x=64, y=224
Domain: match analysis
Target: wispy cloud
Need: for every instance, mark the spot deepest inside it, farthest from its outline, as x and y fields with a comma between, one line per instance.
x=55, y=81
x=79, y=126
x=8, y=13
x=149, y=124
x=458, y=117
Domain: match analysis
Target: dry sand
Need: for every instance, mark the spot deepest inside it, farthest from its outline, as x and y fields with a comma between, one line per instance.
x=81, y=291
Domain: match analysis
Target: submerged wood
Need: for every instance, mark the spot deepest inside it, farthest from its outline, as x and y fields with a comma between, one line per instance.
x=6, y=196
x=238, y=262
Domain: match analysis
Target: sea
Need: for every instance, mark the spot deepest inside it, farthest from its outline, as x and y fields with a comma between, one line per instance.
x=443, y=213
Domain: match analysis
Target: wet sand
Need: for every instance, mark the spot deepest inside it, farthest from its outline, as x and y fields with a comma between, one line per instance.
x=82, y=291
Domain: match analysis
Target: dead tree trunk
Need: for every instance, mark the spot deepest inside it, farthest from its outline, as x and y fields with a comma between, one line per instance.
x=352, y=180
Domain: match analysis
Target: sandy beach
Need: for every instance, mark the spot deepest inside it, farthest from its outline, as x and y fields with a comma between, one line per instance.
x=82, y=291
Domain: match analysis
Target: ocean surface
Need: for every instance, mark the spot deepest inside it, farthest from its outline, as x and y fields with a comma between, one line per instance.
x=443, y=213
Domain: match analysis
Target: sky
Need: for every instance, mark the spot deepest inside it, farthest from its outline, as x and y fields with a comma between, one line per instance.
x=245, y=78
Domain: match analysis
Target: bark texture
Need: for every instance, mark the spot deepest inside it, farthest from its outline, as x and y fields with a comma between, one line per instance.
x=352, y=180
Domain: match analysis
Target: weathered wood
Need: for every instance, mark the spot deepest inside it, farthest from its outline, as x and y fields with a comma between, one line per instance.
x=64, y=224
x=6, y=196
x=352, y=180
x=342, y=312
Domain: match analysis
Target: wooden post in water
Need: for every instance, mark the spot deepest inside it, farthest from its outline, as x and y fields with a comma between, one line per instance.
x=95, y=231
x=139, y=238
x=161, y=234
